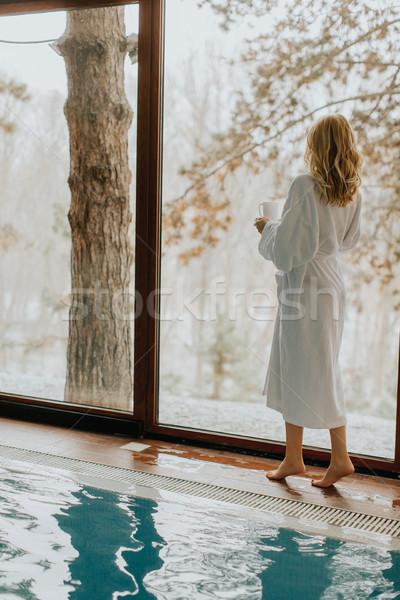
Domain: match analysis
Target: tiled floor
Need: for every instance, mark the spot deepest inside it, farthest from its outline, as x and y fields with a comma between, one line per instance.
x=361, y=493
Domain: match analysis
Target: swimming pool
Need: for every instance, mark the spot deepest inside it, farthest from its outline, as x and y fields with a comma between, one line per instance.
x=64, y=539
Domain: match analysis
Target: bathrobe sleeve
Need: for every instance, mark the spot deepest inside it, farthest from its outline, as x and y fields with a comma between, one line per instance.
x=295, y=239
x=354, y=231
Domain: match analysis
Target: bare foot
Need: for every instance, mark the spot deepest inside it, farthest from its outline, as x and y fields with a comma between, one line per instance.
x=287, y=468
x=333, y=474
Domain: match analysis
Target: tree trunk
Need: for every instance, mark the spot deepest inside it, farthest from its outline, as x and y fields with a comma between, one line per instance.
x=99, y=362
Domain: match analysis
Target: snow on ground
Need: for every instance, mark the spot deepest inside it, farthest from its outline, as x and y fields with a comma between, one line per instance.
x=369, y=435
x=372, y=436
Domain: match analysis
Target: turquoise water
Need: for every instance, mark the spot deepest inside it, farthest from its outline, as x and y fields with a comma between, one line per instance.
x=63, y=540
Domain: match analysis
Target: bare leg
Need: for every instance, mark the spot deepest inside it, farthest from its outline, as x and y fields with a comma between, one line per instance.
x=293, y=461
x=341, y=464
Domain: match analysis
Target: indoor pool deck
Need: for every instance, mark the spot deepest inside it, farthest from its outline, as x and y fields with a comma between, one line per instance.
x=366, y=494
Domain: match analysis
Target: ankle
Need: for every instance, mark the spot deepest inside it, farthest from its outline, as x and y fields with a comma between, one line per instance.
x=294, y=459
x=340, y=460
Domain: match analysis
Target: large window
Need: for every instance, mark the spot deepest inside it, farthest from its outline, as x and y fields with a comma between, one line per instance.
x=237, y=106
x=132, y=167
x=68, y=102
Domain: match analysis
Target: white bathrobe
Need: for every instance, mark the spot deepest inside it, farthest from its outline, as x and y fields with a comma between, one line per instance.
x=303, y=378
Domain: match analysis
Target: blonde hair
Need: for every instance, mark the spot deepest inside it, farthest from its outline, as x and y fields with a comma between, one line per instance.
x=333, y=159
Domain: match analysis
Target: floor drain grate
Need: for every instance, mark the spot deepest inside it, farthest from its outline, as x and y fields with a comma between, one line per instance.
x=292, y=508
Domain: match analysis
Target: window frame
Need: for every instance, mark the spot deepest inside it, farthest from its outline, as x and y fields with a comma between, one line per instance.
x=147, y=275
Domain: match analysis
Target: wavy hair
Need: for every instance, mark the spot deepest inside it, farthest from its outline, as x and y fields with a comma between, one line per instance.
x=333, y=159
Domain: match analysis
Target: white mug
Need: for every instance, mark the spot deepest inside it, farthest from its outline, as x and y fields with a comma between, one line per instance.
x=270, y=209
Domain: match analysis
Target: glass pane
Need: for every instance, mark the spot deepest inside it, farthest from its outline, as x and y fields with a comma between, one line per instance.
x=66, y=227
x=237, y=107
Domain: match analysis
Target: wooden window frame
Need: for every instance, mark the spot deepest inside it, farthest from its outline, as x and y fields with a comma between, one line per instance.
x=147, y=275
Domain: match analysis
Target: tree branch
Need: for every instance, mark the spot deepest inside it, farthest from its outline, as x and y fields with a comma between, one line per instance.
x=279, y=133
x=367, y=62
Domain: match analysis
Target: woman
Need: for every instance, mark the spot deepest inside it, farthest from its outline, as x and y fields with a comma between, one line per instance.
x=320, y=220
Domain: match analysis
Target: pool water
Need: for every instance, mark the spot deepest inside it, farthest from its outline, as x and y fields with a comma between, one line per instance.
x=60, y=539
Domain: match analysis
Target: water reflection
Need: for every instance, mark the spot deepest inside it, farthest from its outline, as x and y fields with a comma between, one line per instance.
x=34, y=551
x=209, y=554
x=303, y=573
x=66, y=541
x=360, y=572
x=116, y=542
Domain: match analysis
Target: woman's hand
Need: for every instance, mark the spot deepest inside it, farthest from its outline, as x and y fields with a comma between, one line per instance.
x=260, y=223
